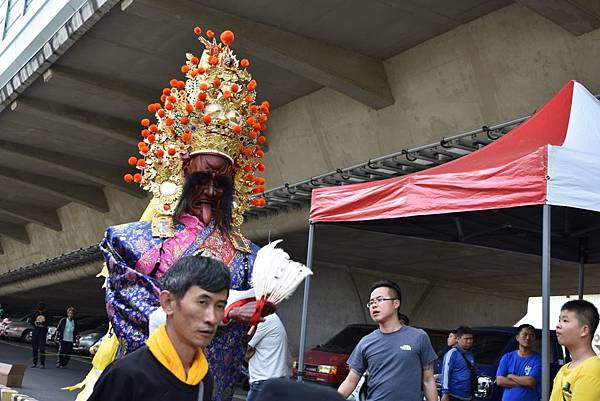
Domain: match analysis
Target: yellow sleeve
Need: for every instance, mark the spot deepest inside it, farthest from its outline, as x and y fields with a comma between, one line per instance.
x=586, y=388
x=556, y=394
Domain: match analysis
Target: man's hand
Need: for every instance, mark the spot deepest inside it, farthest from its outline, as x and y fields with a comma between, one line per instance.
x=429, y=387
x=445, y=397
x=349, y=384
x=249, y=353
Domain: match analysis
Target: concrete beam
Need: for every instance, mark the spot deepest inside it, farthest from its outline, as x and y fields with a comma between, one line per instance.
x=355, y=75
x=106, y=126
x=15, y=231
x=31, y=213
x=87, y=195
x=575, y=16
x=94, y=171
x=97, y=82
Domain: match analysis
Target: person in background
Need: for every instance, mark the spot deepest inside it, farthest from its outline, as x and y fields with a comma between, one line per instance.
x=66, y=333
x=519, y=372
x=399, y=358
x=578, y=380
x=39, y=319
x=267, y=354
x=459, y=374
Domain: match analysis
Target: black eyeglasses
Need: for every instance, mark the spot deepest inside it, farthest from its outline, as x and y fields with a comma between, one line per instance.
x=378, y=301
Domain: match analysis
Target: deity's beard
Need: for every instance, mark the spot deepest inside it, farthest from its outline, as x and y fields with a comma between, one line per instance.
x=193, y=202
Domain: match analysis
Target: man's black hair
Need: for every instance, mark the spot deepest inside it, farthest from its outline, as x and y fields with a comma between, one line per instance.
x=585, y=312
x=395, y=289
x=452, y=332
x=207, y=273
x=225, y=205
x=462, y=330
x=41, y=306
x=525, y=326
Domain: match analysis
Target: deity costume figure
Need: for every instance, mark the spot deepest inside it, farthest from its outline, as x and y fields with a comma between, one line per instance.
x=199, y=160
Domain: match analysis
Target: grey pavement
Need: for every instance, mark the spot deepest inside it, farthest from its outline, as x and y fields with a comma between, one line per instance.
x=46, y=384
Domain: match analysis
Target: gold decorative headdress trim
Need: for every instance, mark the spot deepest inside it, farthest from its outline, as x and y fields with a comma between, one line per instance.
x=212, y=112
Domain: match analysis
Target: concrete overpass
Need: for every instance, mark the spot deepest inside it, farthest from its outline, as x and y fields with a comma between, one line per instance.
x=349, y=81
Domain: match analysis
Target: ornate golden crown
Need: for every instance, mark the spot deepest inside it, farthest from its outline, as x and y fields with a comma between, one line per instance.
x=213, y=111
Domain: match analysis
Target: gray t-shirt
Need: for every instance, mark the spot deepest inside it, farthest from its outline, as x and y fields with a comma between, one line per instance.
x=395, y=362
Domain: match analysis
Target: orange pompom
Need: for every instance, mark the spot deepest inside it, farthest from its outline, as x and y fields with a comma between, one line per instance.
x=259, y=189
x=145, y=122
x=266, y=104
x=253, y=109
x=169, y=106
x=169, y=121
x=226, y=94
x=263, y=127
x=256, y=202
x=244, y=62
x=251, y=120
x=237, y=129
x=128, y=178
x=144, y=149
x=151, y=107
x=227, y=37
x=217, y=82
x=256, y=126
x=171, y=152
x=210, y=33
x=141, y=163
x=253, y=134
x=189, y=108
x=207, y=119
x=202, y=96
x=262, y=139
x=184, y=120
x=185, y=69
x=141, y=145
x=151, y=138
x=248, y=99
x=262, y=117
x=166, y=91
x=203, y=86
x=259, y=180
x=235, y=87
x=249, y=177
x=194, y=60
x=199, y=105
x=180, y=84
x=132, y=160
x=260, y=167
x=173, y=82
x=193, y=73
x=252, y=84
x=201, y=70
x=163, y=98
x=137, y=178
x=248, y=152
x=198, y=30
x=247, y=168
x=213, y=60
x=159, y=153
x=186, y=136
x=161, y=113
x=260, y=153
x=171, y=99
x=145, y=133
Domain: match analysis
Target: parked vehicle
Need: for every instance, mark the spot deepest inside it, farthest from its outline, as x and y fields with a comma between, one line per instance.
x=84, y=323
x=89, y=338
x=21, y=328
x=326, y=364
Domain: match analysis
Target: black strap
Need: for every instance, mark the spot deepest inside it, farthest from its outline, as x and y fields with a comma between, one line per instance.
x=157, y=264
x=473, y=373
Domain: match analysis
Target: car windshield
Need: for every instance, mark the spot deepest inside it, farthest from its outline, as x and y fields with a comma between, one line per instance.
x=345, y=341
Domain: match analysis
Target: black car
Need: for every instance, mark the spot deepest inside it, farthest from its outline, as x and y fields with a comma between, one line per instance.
x=88, y=338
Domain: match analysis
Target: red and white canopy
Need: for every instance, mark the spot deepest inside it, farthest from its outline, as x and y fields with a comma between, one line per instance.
x=553, y=158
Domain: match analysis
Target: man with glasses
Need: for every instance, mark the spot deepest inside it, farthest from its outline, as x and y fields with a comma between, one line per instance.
x=519, y=372
x=399, y=358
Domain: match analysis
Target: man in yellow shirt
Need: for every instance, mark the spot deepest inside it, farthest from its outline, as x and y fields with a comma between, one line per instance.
x=578, y=380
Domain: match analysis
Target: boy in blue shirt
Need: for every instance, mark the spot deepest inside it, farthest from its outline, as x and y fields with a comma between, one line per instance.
x=519, y=372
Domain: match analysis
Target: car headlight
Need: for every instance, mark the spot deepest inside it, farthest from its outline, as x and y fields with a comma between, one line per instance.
x=327, y=369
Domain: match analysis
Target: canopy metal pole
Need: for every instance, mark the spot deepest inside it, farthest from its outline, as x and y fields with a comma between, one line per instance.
x=546, y=229
x=581, y=267
x=309, y=257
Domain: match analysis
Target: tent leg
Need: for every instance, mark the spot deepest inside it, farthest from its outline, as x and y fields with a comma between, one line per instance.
x=581, y=268
x=546, y=228
x=309, y=257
